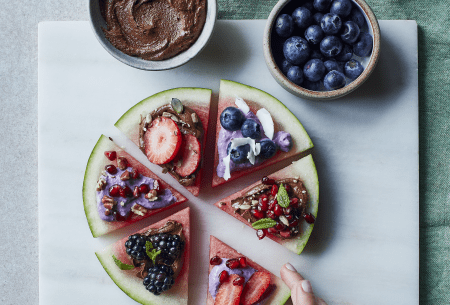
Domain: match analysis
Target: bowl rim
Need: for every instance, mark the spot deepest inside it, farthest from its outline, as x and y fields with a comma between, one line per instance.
x=320, y=95
x=153, y=65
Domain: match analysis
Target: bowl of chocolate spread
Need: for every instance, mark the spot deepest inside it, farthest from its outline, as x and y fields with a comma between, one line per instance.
x=153, y=34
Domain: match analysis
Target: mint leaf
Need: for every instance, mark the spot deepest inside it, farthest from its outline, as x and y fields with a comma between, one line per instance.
x=153, y=254
x=282, y=196
x=121, y=265
x=264, y=223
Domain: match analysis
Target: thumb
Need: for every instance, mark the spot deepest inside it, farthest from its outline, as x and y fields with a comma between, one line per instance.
x=301, y=289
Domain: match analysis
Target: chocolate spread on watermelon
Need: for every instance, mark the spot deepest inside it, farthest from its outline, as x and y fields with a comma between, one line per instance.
x=188, y=122
x=153, y=29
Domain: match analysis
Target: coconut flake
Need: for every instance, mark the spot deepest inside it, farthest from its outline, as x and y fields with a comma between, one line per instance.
x=255, y=148
x=242, y=105
x=266, y=121
x=226, y=162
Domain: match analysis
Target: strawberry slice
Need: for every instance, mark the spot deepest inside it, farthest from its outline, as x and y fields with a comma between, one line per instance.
x=189, y=157
x=255, y=287
x=228, y=293
x=162, y=141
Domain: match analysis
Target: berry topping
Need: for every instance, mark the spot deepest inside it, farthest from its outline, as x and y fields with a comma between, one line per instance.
x=111, y=169
x=267, y=181
x=233, y=263
x=114, y=191
x=309, y=218
x=170, y=246
x=257, y=213
x=251, y=129
x=111, y=155
x=239, y=281
x=215, y=260
x=136, y=192
x=278, y=210
x=162, y=141
x=189, y=156
x=232, y=118
x=285, y=234
x=134, y=173
x=223, y=276
x=135, y=246
x=144, y=188
x=243, y=261
x=263, y=203
x=271, y=214
x=274, y=190
x=268, y=149
x=126, y=192
x=239, y=154
x=157, y=187
x=255, y=287
x=261, y=233
x=228, y=293
x=159, y=279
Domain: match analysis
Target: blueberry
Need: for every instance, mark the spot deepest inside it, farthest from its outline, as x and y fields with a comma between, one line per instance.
x=314, y=34
x=358, y=17
x=284, y=25
x=295, y=75
x=314, y=70
x=313, y=86
x=232, y=118
x=296, y=50
x=332, y=64
x=285, y=65
x=353, y=69
x=330, y=46
x=350, y=32
x=316, y=54
x=331, y=23
x=239, y=154
x=334, y=80
x=268, y=148
x=322, y=5
x=346, y=53
x=309, y=6
x=317, y=18
x=363, y=46
x=302, y=17
x=250, y=128
x=341, y=7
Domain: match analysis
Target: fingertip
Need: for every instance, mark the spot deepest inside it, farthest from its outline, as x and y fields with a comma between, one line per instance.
x=289, y=276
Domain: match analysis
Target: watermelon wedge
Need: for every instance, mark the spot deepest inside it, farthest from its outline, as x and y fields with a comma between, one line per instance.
x=197, y=99
x=283, y=120
x=95, y=166
x=133, y=285
x=304, y=170
x=275, y=293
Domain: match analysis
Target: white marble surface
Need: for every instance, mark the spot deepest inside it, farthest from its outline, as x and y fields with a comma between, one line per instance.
x=365, y=246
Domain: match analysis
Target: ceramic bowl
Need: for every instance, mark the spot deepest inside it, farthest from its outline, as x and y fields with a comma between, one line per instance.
x=273, y=53
x=98, y=23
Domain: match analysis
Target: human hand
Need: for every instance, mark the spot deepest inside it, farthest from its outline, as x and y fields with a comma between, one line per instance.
x=301, y=289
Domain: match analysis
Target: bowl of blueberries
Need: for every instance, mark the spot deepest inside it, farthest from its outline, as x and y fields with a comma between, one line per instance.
x=321, y=49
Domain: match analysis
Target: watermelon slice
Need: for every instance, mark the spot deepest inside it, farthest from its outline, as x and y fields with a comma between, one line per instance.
x=304, y=170
x=283, y=120
x=96, y=164
x=277, y=293
x=197, y=99
x=132, y=285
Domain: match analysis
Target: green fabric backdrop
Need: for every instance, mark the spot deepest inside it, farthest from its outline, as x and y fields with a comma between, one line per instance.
x=433, y=19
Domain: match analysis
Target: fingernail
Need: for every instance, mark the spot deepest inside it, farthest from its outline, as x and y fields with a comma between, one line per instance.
x=290, y=267
x=306, y=285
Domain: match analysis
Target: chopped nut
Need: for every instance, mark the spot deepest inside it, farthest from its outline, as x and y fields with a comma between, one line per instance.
x=303, y=192
x=148, y=118
x=125, y=176
x=108, y=206
x=194, y=117
x=295, y=181
x=152, y=195
x=254, y=202
x=284, y=220
x=235, y=205
x=138, y=209
x=222, y=203
x=248, y=219
x=108, y=200
x=122, y=203
x=107, y=212
x=122, y=163
x=174, y=118
x=166, y=114
x=245, y=207
x=165, y=170
x=101, y=184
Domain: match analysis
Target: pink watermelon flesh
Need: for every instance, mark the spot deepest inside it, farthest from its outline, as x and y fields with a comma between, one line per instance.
x=96, y=165
x=129, y=122
x=279, y=293
x=132, y=285
x=283, y=119
x=305, y=170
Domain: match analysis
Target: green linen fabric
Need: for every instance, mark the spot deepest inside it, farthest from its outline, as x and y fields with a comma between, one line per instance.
x=433, y=19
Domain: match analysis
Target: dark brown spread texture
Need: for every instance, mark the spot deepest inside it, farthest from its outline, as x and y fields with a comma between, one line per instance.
x=153, y=29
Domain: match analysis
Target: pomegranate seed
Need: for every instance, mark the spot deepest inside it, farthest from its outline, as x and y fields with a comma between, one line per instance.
x=111, y=169
x=134, y=173
x=223, y=276
x=215, y=260
x=279, y=226
x=271, y=214
x=157, y=186
x=119, y=217
x=289, y=217
x=287, y=187
x=267, y=181
x=272, y=230
x=239, y=281
x=273, y=204
x=309, y=218
x=243, y=261
x=294, y=223
x=136, y=192
x=274, y=190
x=261, y=233
x=287, y=211
x=233, y=263
x=114, y=191
x=144, y=188
x=294, y=202
x=126, y=192
x=263, y=203
x=278, y=210
x=285, y=234
x=257, y=213
x=111, y=155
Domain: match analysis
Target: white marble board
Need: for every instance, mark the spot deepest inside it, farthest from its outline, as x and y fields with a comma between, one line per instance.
x=365, y=246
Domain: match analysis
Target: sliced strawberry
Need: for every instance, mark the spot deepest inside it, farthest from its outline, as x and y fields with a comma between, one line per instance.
x=189, y=157
x=255, y=287
x=162, y=141
x=228, y=293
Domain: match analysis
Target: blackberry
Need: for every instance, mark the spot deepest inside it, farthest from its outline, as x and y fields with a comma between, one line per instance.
x=135, y=246
x=170, y=246
x=159, y=279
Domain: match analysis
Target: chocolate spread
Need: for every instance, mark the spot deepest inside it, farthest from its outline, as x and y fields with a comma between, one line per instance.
x=171, y=227
x=153, y=29
x=188, y=122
